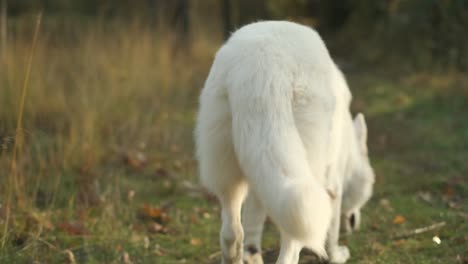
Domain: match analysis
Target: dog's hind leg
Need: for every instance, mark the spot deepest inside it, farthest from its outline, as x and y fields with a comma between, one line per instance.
x=290, y=250
x=232, y=234
x=253, y=218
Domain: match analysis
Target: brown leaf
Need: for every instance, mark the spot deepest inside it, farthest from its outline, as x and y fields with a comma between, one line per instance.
x=375, y=226
x=153, y=213
x=161, y=173
x=73, y=228
x=425, y=196
x=118, y=248
x=399, y=220
x=385, y=203
x=130, y=195
x=398, y=242
x=206, y=215
x=195, y=241
x=156, y=217
x=449, y=191
x=194, y=219
x=154, y=227
x=136, y=160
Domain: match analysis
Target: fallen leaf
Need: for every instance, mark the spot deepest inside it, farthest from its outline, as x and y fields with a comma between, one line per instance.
x=161, y=173
x=73, y=228
x=153, y=213
x=130, y=195
x=154, y=227
x=118, y=248
x=425, y=196
x=194, y=218
x=385, y=203
x=136, y=160
x=449, y=191
x=399, y=220
x=398, y=242
x=206, y=215
x=195, y=242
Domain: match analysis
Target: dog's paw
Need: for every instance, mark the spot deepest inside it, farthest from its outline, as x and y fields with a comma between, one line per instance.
x=252, y=255
x=339, y=255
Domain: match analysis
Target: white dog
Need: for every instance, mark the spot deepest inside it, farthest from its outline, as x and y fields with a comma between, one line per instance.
x=274, y=124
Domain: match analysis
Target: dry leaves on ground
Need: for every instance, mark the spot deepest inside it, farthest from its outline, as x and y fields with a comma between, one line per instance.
x=74, y=228
x=399, y=220
x=156, y=218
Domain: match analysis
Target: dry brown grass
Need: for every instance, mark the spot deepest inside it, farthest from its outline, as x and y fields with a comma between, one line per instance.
x=97, y=91
x=18, y=138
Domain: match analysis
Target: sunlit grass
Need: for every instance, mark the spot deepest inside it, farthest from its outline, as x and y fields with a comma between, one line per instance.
x=96, y=94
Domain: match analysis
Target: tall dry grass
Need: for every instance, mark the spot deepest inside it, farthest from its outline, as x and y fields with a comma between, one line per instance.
x=18, y=138
x=96, y=89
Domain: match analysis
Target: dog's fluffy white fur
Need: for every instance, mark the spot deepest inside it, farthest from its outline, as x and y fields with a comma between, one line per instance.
x=274, y=124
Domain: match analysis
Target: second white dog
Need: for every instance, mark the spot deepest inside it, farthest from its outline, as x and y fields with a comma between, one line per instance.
x=274, y=124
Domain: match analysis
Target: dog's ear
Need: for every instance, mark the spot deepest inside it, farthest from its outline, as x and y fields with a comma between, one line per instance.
x=361, y=131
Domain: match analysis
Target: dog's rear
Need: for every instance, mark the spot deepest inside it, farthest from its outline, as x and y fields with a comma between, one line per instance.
x=248, y=138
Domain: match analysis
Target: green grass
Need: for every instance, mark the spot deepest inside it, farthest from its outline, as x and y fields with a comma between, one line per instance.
x=419, y=144
x=94, y=104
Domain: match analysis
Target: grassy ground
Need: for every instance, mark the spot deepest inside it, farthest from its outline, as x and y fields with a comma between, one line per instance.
x=105, y=173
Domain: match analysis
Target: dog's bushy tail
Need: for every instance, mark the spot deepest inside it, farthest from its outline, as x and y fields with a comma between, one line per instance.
x=273, y=158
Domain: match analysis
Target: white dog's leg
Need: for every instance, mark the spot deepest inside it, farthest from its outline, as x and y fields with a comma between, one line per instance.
x=290, y=249
x=231, y=235
x=337, y=254
x=253, y=218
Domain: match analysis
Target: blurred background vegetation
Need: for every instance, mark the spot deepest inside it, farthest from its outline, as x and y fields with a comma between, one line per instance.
x=432, y=32
x=104, y=169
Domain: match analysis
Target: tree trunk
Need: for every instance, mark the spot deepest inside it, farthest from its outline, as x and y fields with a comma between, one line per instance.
x=181, y=19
